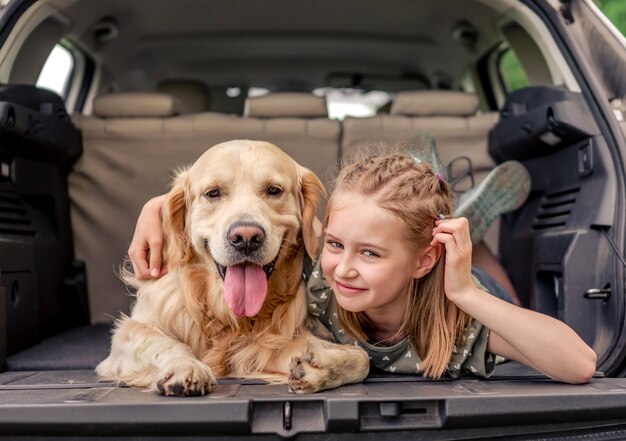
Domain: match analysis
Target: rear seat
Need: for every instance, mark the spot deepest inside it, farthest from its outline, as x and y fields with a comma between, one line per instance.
x=450, y=116
x=134, y=141
x=299, y=124
x=193, y=96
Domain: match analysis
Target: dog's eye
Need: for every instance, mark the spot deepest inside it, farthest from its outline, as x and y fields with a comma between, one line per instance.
x=213, y=193
x=274, y=190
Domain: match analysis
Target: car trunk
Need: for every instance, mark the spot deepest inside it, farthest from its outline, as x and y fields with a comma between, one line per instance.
x=515, y=405
x=564, y=255
x=50, y=388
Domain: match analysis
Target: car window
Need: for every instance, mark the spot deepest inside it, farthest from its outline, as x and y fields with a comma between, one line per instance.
x=615, y=10
x=341, y=102
x=511, y=71
x=57, y=70
x=344, y=102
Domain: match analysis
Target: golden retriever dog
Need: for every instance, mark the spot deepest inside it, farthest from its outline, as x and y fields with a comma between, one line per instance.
x=237, y=224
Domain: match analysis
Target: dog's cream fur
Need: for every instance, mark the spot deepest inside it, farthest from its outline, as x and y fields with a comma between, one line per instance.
x=182, y=334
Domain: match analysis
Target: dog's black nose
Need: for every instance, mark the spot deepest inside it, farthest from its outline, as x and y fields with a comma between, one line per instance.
x=246, y=237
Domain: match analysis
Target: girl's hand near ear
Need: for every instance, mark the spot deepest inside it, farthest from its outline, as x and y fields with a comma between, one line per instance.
x=537, y=340
x=455, y=236
x=146, y=248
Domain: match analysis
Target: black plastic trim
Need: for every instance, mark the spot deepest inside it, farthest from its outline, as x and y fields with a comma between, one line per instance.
x=591, y=91
x=468, y=408
x=85, y=85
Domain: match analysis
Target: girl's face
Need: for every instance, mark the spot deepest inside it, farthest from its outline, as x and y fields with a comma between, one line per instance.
x=366, y=257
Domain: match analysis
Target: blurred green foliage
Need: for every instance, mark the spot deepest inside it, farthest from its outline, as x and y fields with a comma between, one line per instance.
x=615, y=10
x=512, y=72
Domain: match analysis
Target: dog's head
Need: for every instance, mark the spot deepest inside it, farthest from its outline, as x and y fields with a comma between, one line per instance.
x=243, y=208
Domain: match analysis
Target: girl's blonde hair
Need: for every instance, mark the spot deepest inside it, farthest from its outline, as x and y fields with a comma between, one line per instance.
x=401, y=184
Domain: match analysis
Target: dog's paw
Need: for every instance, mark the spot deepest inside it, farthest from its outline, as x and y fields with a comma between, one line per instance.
x=308, y=374
x=187, y=378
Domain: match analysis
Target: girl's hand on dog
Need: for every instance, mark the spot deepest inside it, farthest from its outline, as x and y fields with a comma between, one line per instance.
x=146, y=248
x=455, y=236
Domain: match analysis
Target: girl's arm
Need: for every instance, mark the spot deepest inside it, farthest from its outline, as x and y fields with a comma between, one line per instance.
x=146, y=248
x=535, y=339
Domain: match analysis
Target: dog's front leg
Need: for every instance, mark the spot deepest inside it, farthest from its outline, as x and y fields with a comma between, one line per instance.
x=327, y=365
x=145, y=357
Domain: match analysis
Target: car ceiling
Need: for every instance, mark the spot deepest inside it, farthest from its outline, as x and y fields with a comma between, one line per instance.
x=284, y=44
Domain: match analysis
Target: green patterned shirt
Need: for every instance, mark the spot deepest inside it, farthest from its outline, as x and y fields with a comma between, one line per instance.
x=400, y=358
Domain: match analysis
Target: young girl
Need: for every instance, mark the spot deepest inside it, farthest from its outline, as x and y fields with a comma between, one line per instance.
x=396, y=278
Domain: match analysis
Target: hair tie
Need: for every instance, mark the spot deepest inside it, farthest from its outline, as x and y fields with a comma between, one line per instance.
x=439, y=177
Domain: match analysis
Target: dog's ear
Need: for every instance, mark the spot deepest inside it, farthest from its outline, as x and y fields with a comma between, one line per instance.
x=310, y=192
x=178, y=247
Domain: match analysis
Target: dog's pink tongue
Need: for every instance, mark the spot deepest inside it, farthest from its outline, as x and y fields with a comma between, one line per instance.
x=245, y=288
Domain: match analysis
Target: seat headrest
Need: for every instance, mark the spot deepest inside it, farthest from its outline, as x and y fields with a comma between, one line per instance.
x=194, y=96
x=435, y=103
x=135, y=104
x=286, y=104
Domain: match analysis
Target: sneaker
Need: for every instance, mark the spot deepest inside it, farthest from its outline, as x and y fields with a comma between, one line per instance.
x=504, y=189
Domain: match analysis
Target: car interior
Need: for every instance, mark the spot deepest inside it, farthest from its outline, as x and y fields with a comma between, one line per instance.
x=154, y=83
